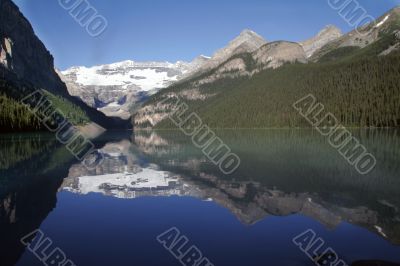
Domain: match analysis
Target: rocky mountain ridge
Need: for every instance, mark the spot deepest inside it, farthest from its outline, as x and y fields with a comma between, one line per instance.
x=248, y=41
x=326, y=35
x=387, y=24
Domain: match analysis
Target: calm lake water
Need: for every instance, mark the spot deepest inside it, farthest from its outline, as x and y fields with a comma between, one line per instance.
x=289, y=181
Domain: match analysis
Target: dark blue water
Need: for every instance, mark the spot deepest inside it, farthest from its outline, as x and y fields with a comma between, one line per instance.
x=288, y=182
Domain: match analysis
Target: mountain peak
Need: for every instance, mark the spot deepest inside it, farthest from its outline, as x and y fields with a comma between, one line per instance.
x=326, y=35
x=330, y=28
x=247, y=41
x=247, y=32
x=248, y=35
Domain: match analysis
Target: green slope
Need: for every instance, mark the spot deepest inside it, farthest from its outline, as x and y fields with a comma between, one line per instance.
x=14, y=116
x=359, y=87
x=363, y=93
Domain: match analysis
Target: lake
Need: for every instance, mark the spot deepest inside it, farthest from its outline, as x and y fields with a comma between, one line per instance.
x=289, y=182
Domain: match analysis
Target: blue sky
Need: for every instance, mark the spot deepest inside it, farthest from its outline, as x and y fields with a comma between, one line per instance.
x=171, y=30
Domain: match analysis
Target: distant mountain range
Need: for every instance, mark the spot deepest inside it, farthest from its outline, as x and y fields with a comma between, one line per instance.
x=116, y=89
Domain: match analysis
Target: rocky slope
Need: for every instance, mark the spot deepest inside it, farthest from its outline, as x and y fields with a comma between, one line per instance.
x=25, y=62
x=326, y=35
x=248, y=41
x=22, y=53
x=275, y=54
x=387, y=24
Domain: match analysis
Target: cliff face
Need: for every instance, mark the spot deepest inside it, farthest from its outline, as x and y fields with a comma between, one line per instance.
x=22, y=53
x=275, y=54
x=24, y=60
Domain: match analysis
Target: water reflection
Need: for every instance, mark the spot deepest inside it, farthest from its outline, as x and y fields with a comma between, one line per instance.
x=32, y=169
x=283, y=172
x=124, y=174
x=31, y=172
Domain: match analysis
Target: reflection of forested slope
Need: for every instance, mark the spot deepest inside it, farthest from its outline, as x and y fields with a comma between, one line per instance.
x=18, y=148
x=29, y=180
x=22, y=209
x=33, y=168
x=24, y=155
x=295, y=162
x=273, y=157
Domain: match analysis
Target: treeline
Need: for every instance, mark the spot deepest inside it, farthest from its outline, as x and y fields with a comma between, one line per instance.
x=362, y=92
x=15, y=117
x=73, y=113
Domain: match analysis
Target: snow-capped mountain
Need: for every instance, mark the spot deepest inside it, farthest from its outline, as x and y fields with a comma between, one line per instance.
x=116, y=89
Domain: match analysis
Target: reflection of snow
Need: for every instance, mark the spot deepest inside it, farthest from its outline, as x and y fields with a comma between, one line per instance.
x=380, y=231
x=124, y=184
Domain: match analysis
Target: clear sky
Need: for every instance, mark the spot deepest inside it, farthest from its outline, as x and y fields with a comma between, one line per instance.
x=171, y=30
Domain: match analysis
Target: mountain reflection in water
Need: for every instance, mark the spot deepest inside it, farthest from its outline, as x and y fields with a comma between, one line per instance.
x=282, y=173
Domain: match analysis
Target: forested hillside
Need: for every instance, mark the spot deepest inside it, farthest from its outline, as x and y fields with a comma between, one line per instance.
x=360, y=86
x=14, y=116
x=363, y=93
